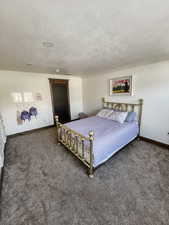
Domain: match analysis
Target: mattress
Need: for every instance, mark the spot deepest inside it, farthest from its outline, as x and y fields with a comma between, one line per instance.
x=109, y=136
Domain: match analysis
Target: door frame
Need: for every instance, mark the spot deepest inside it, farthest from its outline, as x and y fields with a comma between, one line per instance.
x=66, y=83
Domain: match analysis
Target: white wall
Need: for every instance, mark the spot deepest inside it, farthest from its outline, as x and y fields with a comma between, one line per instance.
x=21, y=82
x=151, y=82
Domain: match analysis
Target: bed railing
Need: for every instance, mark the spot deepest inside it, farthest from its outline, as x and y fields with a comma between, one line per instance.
x=79, y=145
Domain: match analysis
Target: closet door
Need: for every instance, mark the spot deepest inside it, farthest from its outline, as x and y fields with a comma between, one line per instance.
x=60, y=99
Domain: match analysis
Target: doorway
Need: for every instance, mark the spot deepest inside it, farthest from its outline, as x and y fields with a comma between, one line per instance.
x=60, y=99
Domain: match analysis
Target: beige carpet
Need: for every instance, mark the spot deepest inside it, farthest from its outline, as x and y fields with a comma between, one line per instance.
x=45, y=185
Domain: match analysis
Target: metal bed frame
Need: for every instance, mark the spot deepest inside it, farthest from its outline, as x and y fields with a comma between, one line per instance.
x=79, y=144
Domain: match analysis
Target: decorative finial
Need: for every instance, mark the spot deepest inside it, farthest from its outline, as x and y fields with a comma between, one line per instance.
x=91, y=134
x=57, y=118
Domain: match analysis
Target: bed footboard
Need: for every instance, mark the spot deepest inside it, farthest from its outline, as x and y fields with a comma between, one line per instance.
x=79, y=145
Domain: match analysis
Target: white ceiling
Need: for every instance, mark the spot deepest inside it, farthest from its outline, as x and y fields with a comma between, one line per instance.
x=89, y=37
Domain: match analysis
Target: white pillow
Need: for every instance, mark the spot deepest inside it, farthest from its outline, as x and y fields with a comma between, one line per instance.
x=118, y=116
x=104, y=113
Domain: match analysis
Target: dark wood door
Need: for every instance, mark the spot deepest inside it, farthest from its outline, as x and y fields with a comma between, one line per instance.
x=60, y=99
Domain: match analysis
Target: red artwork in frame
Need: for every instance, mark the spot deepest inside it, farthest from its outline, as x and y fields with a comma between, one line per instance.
x=121, y=86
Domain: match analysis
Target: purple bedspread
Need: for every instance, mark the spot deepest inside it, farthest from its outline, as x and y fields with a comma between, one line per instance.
x=109, y=136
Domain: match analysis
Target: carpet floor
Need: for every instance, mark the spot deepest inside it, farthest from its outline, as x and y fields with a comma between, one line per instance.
x=44, y=184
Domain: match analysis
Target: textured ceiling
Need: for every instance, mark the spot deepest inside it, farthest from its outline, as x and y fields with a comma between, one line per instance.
x=88, y=37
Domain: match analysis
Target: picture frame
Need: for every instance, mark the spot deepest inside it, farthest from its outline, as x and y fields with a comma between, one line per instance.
x=121, y=86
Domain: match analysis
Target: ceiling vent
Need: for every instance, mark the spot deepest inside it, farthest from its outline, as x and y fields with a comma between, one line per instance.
x=47, y=44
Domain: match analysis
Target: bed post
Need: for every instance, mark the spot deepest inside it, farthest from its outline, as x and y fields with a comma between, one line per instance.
x=57, y=128
x=140, y=113
x=91, y=138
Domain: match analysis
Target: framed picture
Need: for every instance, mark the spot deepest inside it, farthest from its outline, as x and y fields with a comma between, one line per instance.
x=121, y=86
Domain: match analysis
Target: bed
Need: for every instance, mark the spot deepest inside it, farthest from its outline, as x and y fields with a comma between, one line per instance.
x=94, y=140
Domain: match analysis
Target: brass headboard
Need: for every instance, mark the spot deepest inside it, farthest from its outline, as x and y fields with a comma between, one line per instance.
x=129, y=107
